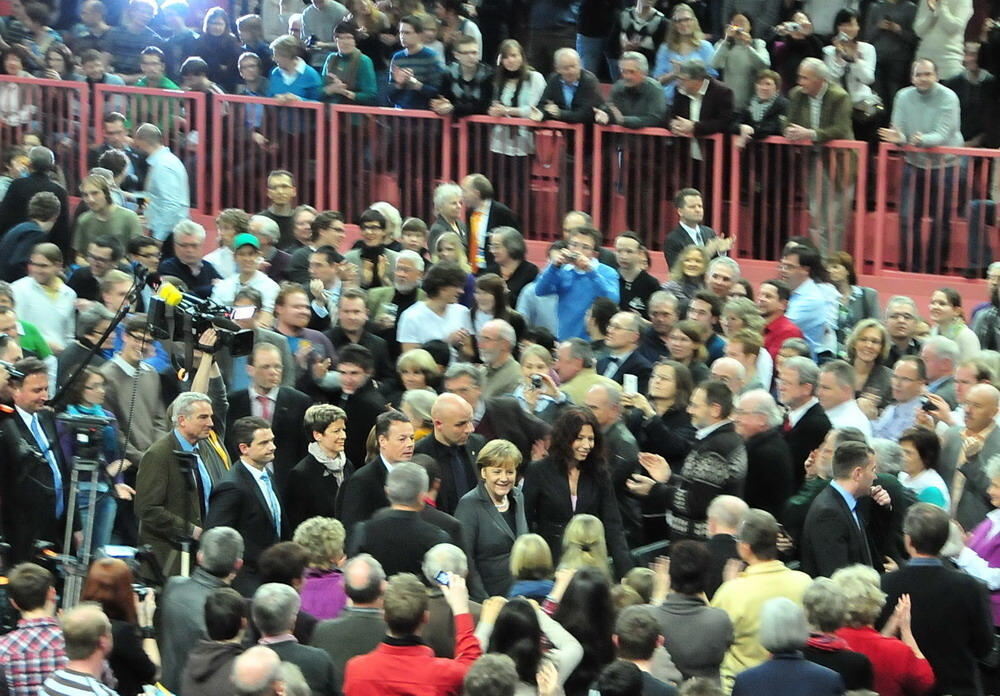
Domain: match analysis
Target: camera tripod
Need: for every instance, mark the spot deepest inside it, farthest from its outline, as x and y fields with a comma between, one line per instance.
x=75, y=566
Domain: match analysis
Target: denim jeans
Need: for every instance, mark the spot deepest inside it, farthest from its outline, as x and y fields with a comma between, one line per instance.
x=105, y=507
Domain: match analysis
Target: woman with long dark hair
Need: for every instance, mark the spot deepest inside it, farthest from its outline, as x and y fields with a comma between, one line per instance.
x=135, y=658
x=573, y=479
x=516, y=92
x=586, y=611
x=491, y=302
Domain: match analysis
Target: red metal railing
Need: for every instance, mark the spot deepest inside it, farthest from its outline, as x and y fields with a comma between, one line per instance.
x=636, y=173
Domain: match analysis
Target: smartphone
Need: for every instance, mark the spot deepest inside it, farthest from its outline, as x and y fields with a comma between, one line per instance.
x=443, y=578
x=238, y=313
x=630, y=384
x=843, y=37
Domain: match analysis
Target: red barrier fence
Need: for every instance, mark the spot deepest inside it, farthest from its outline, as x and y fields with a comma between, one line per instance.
x=922, y=211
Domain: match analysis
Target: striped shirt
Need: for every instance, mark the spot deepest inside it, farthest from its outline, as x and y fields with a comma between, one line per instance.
x=68, y=682
x=30, y=653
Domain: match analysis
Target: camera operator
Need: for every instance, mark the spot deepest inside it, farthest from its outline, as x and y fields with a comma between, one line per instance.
x=36, y=479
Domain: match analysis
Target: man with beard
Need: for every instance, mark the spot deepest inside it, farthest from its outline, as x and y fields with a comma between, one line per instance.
x=386, y=304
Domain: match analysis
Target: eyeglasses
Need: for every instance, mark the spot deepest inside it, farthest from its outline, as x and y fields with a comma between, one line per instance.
x=581, y=247
x=901, y=316
x=783, y=266
x=100, y=259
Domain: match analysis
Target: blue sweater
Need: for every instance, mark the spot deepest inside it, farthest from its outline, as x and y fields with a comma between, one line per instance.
x=427, y=69
x=576, y=291
x=306, y=85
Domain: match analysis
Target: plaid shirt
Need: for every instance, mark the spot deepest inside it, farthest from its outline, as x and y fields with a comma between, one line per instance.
x=31, y=653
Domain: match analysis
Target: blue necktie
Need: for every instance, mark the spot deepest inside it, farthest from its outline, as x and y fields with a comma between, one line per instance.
x=50, y=457
x=272, y=502
x=206, y=480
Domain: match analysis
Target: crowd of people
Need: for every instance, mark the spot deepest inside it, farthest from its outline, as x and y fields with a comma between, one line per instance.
x=438, y=468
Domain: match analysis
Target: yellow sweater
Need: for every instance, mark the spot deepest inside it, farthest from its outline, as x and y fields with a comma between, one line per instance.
x=742, y=598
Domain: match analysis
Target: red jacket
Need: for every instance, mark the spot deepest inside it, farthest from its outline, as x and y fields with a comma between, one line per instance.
x=412, y=670
x=898, y=672
x=777, y=332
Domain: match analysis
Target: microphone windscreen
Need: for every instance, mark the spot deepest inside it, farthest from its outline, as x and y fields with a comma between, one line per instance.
x=170, y=295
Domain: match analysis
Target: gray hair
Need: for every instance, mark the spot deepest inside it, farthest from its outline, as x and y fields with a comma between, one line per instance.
x=565, y=52
x=184, y=405
x=992, y=468
x=406, y=484
x=727, y=510
x=447, y=557
x=901, y=299
x=413, y=257
x=807, y=370
x=444, y=192
x=888, y=454
x=783, y=626
x=190, y=228
x=799, y=345
x=219, y=550
x=267, y=226
x=760, y=401
x=693, y=69
x=582, y=350
x=420, y=400
x=841, y=370
x=505, y=330
x=255, y=671
x=465, y=370
x=90, y=318
x=493, y=674
x=294, y=680
x=41, y=159
x=511, y=240
x=639, y=59
x=612, y=392
x=274, y=608
x=374, y=577
x=942, y=347
x=816, y=66
x=825, y=604
x=661, y=296
x=104, y=173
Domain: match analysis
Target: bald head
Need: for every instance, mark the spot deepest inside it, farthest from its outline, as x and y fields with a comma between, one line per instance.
x=731, y=372
x=604, y=400
x=981, y=404
x=256, y=671
x=567, y=62
x=452, y=416
x=725, y=514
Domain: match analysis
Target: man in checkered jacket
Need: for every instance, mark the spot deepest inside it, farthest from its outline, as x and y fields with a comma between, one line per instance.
x=35, y=649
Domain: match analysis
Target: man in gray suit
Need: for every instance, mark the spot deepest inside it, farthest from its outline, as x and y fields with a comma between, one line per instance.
x=360, y=627
x=965, y=452
x=182, y=606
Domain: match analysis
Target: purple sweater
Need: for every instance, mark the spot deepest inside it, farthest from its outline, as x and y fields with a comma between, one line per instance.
x=323, y=593
x=988, y=550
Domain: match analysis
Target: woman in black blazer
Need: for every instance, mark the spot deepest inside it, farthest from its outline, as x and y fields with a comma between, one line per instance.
x=572, y=480
x=492, y=515
x=315, y=481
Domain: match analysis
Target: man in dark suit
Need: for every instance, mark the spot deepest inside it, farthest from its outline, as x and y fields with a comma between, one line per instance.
x=283, y=408
x=36, y=475
x=572, y=93
x=769, y=462
x=805, y=424
x=624, y=358
x=725, y=515
x=274, y=608
x=691, y=210
x=498, y=418
x=116, y=137
x=381, y=536
x=364, y=493
x=454, y=447
x=835, y=534
x=716, y=103
x=352, y=328
x=247, y=499
x=14, y=207
x=949, y=611
x=360, y=627
x=485, y=214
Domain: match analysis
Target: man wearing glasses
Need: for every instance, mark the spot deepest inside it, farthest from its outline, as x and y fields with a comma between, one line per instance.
x=909, y=380
x=901, y=322
x=103, y=255
x=808, y=307
x=578, y=278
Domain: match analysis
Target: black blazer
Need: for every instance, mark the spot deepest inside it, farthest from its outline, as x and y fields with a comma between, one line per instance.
x=635, y=364
x=286, y=424
x=679, y=238
x=28, y=487
x=14, y=207
x=489, y=538
x=722, y=548
x=363, y=408
x=383, y=535
x=951, y=619
x=771, y=123
x=499, y=216
x=769, y=472
x=831, y=539
x=548, y=507
x=586, y=98
x=505, y=419
x=312, y=492
x=450, y=493
x=716, y=109
x=238, y=502
x=385, y=368
x=316, y=666
x=807, y=435
x=525, y=273
x=362, y=494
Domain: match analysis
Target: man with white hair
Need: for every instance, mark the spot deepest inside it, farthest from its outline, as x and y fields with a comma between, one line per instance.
x=257, y=672
x=188, y=262
x=276, y=262
x=730, y=372
x=965, y=451
x=496, y=342
x=637, y=100
x=940, y=355
x=805, y=424
x=725, y=515
x=722, y=274
x=274, y=609
x=769, y=461
x=439, y=631
x=572, y=93
x=168, y=507
x=820, y=111
x=383, y=535
x=623, y=358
